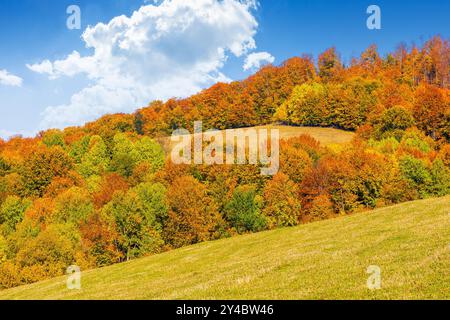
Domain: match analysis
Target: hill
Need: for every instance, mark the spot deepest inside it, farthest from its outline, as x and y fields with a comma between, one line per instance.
x=322, y=260
x=326, y=136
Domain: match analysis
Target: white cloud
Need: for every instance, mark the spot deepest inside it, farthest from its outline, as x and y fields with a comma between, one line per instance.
x=6, y=134
x=172, y=49
x=9, y=79
x=44, y=67
x=257, y=59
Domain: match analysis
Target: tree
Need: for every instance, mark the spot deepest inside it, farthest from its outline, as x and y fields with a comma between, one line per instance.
x=294, y=161
x=73, y=206
x=12, y=212
x=53, y=138
x=282, y=206
x=137, y=229
x=321, y=208
x=444, y=155
x=61, y=184
x=101, y=239
x=96, y=159
x=243, y=211
x=154, y=203
x=440, y=174
x=394, y=122
x=139, y=123
x=41, y=167
x=416, y=172
x=110, y=184
x=193, y=215
x=124, y=155
x=50, y=253
x=431, y=111
x=330, y=65
x=370, y=60
x=3, y=249
x=41, y=212
x=149, y=151
x=5, y=168
x=351, y=101
x=127, y=155
x=306, y=106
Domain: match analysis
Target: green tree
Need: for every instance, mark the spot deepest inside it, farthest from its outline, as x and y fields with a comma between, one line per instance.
x=53, y=138
x=50, y=253
x=5, y=168
x=12, y=212
x=154, y=204
x=139, y=123
x=150, y=151
x=417, y=173
x=139, y=235
x=243, y=211
x=79, y=148
x=96, y=160
x=124, y=155
x=440, y=174
x=306, y=106
x=73, y=206
x=3, y=249
x=394, y=122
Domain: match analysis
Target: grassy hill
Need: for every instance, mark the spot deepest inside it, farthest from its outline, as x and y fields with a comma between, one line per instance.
x=324, y=260
x=326, y=136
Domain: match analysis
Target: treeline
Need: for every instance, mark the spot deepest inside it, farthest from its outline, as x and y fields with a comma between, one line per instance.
x=106, y=192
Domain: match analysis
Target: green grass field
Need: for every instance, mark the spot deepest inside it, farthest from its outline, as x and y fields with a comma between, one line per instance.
x=323, y=260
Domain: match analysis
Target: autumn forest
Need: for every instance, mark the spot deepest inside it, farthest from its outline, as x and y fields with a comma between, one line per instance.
x=108, y=192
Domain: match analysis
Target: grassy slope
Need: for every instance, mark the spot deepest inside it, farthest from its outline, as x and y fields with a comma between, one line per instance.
x=326, y=136
x=324, y=260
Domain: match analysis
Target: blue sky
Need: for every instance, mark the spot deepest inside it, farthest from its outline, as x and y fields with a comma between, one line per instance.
x=32, y=31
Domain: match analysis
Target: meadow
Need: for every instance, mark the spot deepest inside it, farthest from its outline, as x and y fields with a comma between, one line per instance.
x=410, y=243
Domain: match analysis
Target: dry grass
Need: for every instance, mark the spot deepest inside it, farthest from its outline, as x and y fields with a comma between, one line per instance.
x=324, y=260
x=326, y=136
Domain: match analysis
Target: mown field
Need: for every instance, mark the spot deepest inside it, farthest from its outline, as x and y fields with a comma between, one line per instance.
x=323, y=260
x=326, y=136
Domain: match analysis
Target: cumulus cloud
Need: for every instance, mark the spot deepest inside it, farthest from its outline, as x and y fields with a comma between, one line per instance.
x=175, y=48
x=9, y=79
x=257, y=59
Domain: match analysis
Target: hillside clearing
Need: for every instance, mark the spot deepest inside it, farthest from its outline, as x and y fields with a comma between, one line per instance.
x=324, y=260
x=326, y=136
